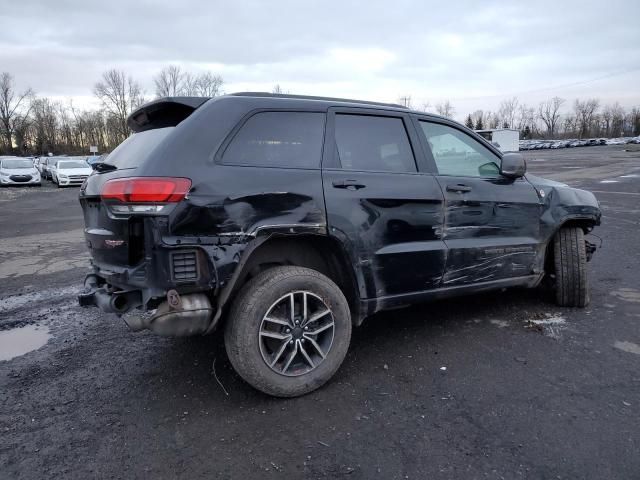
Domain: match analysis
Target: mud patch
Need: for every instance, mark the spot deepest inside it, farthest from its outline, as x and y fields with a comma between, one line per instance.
x=20, y=341
x=628, y=347
x=627, y=294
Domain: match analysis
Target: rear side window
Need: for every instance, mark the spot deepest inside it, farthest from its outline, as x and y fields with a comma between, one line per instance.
x=373, y=143
x=278, y=139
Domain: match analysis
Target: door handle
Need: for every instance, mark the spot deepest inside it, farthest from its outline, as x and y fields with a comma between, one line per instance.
x=348, y=184
x=458, y=188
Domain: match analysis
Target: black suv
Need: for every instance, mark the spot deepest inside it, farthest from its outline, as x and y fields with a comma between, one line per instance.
x=287, y=220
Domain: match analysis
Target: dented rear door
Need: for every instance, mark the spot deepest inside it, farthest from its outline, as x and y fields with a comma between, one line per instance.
x=387, y=214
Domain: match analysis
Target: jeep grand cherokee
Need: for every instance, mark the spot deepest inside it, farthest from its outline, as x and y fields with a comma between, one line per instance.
x=286, y=220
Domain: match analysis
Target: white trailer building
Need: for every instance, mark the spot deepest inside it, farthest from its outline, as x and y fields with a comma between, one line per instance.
x=506, y=139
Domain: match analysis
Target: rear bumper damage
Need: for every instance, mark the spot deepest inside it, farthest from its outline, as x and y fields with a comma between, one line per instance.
x=176, y=315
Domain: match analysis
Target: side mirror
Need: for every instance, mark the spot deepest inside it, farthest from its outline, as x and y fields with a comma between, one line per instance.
x=513, y=165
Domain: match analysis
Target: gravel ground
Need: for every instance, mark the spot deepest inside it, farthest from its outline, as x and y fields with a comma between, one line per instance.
x=500, y=385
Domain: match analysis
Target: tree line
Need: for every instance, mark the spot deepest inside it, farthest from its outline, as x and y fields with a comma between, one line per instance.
x=552, y=118
x=35, y=125
x=30, y=124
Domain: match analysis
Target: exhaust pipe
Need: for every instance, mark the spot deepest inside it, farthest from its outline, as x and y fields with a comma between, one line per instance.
x=178, y=316
x=96, y=294
x=118, y=303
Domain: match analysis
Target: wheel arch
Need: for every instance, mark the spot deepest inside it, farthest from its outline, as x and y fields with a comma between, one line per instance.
x=585, y=223
x=318, y=252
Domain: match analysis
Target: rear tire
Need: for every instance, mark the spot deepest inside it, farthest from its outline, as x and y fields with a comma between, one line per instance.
x=260, y=348
x=570, y=262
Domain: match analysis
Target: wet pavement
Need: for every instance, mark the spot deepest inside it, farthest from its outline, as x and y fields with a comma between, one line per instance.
x=499, y=385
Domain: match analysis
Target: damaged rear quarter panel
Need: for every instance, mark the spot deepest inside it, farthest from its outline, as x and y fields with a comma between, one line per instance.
x=264, y=201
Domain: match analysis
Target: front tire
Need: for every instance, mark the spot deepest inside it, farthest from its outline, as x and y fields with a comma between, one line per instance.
x=288, y=331
x=570, y=262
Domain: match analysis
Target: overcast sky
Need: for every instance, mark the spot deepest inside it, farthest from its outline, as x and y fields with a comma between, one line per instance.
x=474, y=53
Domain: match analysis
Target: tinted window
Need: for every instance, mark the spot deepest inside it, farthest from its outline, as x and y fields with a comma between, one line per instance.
x=459, y=154
x=278, y=139
x=373, y=143
x=135, y=149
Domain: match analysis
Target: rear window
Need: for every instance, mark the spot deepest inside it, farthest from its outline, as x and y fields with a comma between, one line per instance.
x=278, y=139
x=131, y=152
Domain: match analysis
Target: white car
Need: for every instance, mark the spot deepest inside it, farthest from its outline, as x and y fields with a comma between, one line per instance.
x=18, y=171
x=69, y=172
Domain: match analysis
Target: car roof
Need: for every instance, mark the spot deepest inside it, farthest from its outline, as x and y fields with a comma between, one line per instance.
x=333, y=102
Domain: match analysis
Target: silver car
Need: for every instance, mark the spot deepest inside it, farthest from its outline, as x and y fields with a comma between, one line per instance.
x=18, y=171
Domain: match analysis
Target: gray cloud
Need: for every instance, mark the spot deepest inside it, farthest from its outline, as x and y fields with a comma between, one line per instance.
x=475, y=53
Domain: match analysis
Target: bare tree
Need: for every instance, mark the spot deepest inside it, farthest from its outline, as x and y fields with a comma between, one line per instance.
x=13, y=108
x=206, y=84
x=507, y=112
x=549, y=113
x=606, y=116
x=585, y=112
x=209, y=84
x=492, y=120
x=169, y=82
x=478, y=119
x=277, y=89
x=405, y=101
x=632, y=122
x=617, y=120
x=445, y=109
x=119, y=94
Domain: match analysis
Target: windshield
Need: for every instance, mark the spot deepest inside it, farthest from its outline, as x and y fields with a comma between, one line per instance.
x=17, y=163
x=72, y=164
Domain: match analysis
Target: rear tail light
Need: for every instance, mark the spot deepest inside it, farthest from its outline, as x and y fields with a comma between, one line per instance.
x=144, y=194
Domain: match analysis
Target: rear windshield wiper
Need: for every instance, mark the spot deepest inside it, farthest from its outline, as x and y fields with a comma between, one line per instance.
x=103, y=167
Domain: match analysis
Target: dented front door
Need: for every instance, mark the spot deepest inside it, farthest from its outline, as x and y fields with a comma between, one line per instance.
x=491, y=222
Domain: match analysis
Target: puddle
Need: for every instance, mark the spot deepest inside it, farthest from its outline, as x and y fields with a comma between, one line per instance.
x=609, y=181
x=631, y=175
x=18, y=341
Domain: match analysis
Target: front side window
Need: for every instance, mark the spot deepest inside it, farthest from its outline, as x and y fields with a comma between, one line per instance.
x=459, y=154
x=370, y=143
x=278, y=139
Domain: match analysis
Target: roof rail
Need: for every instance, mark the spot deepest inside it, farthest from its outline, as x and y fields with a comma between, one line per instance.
x=310, y=97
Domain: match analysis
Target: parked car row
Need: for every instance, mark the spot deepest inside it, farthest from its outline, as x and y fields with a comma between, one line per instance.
x=61, y=170
x=570, y=143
